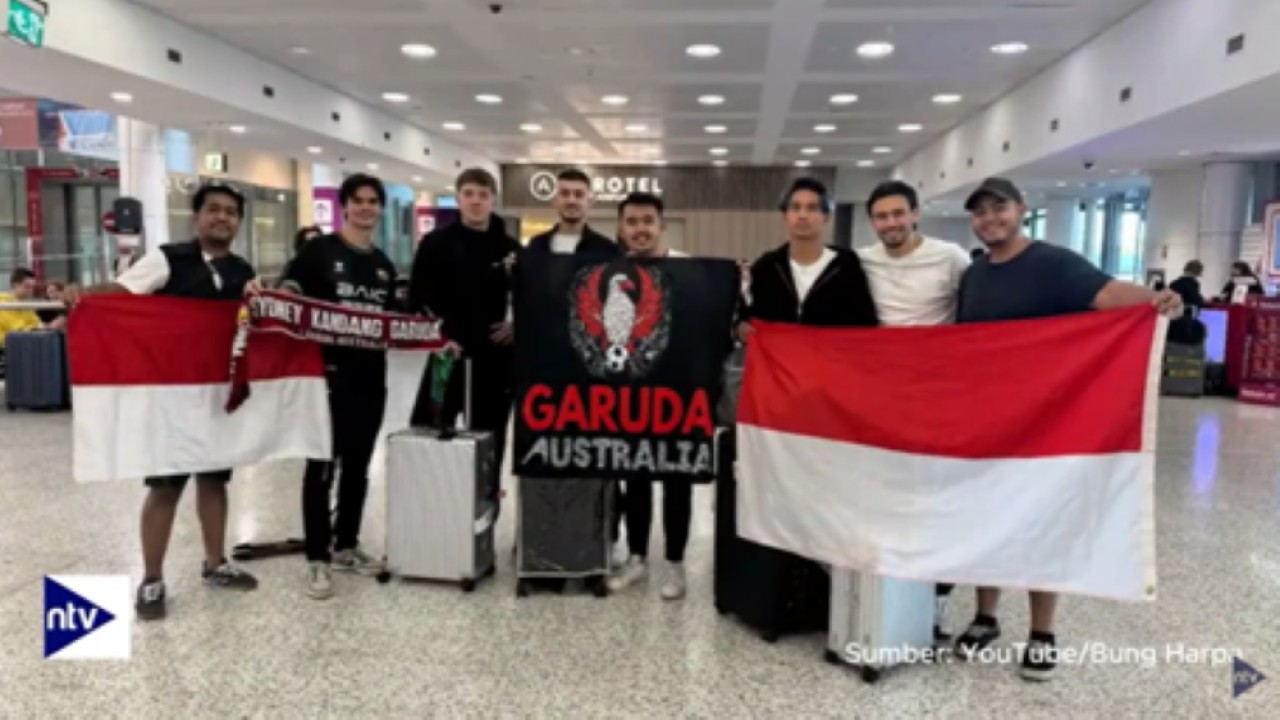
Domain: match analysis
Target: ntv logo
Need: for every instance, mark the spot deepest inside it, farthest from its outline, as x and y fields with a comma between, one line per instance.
x=87, y=617
x=1243, y=678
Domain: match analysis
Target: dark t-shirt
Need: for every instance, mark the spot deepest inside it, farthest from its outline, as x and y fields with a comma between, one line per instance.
x=1042, y=281
x=329, y=269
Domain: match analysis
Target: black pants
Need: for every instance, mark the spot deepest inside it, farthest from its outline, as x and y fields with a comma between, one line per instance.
x=357, y=416
x=492, y=393
x=677, y=513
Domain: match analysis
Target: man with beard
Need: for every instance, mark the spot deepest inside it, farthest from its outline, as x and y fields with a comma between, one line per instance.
x=203, y=268
x=1020, y=279
x=345, y=268
x=462, y=274
x=640, y=227
x=571, y=235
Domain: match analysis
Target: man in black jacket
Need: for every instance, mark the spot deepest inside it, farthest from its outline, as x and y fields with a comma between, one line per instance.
x=462, y=273
x=805, y=281
x=572, y=236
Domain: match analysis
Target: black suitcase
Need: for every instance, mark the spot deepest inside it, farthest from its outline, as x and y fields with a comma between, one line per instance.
x=775, y=592
x=564, y=531
x=37, y=371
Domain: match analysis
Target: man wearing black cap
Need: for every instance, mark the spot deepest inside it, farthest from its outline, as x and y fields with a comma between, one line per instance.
x=1021, y=279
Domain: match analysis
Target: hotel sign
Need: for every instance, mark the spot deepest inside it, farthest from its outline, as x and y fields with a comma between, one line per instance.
x=608, y=188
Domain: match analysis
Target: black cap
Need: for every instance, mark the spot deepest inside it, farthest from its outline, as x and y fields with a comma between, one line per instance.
x=995, y=187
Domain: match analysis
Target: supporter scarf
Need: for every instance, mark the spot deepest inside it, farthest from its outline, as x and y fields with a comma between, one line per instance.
x=324, y=323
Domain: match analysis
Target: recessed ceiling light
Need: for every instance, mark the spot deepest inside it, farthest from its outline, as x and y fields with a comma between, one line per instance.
x=651, y=150
x=614, y=100
x=711, y=100
x=910, y=127
x=418, y=51
x=811, y=151
x=300, y=50
x=454, y=126
x=531, y=127
x=1184, y=153
x=122, y=97
x=659, y=162
x=1113, y=171
x=716, y=129
x=417, y=178
x=875, y=50
x=803, y=163
x=844, y=99
x=522, y=161
x=372, y=166
x=1062, y=184
x=1010, y=48
x=395, y=97
x=703, y=50
x=947, y=98
x=720, y=163
x=238, y=129
x=315, y=149
x=824, y=128
x=489, y=99
x=882, y=150
x=719, y=151
x=866, y=163
x=636, y=128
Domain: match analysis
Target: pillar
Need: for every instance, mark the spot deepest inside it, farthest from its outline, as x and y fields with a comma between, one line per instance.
x=325, y=182
x=1060, y=222
x=143, y=176
x=1224, y=208
x=1173, y=221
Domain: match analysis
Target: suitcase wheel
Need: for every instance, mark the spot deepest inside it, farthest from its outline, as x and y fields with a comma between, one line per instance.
x=522, y=589
x=384, y=577
x=600, y=588
x=870, y=675
x=769, y=636
x=468, y=585
x=722, y=609
x=831, y=656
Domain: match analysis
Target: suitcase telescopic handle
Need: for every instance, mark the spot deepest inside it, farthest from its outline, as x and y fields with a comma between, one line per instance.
x=446, y=432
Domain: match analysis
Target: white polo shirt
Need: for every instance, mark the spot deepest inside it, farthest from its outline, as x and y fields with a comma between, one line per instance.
x=919, y=289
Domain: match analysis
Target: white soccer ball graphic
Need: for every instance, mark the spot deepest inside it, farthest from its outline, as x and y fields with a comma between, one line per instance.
x=615, y=358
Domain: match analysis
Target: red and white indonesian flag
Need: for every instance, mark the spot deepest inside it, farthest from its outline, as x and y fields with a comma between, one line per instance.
x=151, y=378
x=1015, y=454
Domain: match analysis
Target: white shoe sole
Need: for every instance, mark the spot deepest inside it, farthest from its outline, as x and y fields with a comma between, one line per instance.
x=315, y=594
x=1034, y=675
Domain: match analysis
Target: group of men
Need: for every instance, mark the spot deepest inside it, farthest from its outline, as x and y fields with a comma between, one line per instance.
x=463, y=275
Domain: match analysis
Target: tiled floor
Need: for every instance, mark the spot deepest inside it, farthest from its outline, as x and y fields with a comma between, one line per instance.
x=412, y=650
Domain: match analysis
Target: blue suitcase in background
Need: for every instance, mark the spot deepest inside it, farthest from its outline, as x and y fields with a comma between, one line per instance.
x=37, y=371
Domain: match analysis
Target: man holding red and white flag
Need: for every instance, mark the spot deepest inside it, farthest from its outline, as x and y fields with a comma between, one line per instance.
x=1017, y=455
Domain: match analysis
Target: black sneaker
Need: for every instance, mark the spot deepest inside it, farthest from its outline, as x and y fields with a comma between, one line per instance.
x=1040, y=659
x=150, y=604
x=983, y=631
x=229, y=577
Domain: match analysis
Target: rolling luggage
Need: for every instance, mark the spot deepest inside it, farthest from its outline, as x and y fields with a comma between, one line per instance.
x=564, y=531
x=1184, y=370
x=775, y=592
x=875, y=619
x=36, y=371
x=441, y=503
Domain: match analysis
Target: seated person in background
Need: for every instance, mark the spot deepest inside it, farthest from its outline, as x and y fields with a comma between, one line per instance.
x=22, y=286
x=1188, y=286
x=1241, y=275
x=53, y=319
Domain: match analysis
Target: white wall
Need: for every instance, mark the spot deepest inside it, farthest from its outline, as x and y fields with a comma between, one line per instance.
x=954, y=229
x=1173, y=220
x=1172, y=53
x=854, y=185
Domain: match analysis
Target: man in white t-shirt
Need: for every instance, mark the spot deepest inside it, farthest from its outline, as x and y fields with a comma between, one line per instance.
x=915, y=280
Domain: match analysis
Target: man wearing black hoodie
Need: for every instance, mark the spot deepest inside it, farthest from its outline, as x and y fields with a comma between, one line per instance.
x=571, y=235
x=462, y=274
x=805, y=281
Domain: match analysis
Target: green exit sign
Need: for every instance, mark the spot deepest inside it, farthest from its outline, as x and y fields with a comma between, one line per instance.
x=26, y=22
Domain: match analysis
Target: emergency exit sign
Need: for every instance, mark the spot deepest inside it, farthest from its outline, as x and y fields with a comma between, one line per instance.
x=26, y=22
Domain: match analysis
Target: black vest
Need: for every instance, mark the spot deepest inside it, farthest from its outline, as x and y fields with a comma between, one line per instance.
x=191, y=277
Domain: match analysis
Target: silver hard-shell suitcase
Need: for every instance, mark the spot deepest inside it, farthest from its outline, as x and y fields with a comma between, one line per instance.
x=441, y=506
x=877, y=622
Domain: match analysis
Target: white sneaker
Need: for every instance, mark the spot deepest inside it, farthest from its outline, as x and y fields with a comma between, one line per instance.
x=357, y=561
x=674, y=587
x=632, y=571
x=319, y=581
x=620, y=554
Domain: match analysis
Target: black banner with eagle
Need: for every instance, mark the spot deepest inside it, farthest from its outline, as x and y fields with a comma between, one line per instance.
x=620, y=364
